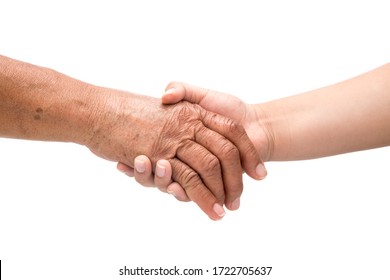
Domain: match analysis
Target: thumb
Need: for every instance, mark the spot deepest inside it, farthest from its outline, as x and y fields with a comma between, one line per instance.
x=176, y=92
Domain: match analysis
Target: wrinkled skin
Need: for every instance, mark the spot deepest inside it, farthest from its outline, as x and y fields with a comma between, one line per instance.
x=203, y=161
x=41, y=104
x=252, y=119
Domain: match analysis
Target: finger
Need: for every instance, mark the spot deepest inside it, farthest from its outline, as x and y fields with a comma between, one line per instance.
x=235, y=133
x=229, y=158
x=206, y=165
x=129, y=171
x=176, y=92
x=178, y=192
x=206, y=98
x=195, y=189
x=143, y=171
x=211, y=100
x=163, y=181
x=162, y=175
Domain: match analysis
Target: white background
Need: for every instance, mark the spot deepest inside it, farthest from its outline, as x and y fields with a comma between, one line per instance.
x=66, y=214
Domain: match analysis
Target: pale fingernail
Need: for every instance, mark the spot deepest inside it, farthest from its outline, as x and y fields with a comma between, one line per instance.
x=261, y=171
x=171, y=192
x=121, y=170
x=160, y=171
x=218, y=209
x=127, y=172
x=170, y=91
x=139, y=166
x=235, y=204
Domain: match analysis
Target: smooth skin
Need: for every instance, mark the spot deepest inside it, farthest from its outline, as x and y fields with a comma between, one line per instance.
x=349, y=116
x=205, y=151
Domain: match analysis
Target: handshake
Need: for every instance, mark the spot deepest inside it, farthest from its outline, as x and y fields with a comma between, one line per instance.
x=196, y=149
x=194, y=143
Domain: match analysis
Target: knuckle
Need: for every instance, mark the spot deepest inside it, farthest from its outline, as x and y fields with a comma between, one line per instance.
x=212, y=164
x=233, y=127
x=228, y=150
x=185, y=114
x=190, y=180
x=213, y=171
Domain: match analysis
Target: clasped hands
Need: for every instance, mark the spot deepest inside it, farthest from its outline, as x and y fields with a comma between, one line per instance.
x=194, y=143
x=189, y=149
x=195, y=152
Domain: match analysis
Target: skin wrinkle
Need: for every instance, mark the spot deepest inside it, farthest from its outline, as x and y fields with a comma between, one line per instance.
x=115, y=125
x=264, y=122
x=349, y=116
x=177, y=120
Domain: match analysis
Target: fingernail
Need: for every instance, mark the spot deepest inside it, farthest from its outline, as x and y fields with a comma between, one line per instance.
x=139, y=166
x=121, y=170
x=171, y=192
x=235, y=204
x=170, y=91
x=218, y=209
x=261, y=171
x=160, y=171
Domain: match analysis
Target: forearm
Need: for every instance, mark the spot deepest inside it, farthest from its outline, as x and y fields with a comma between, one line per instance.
x=40, y=104
x=349, y=116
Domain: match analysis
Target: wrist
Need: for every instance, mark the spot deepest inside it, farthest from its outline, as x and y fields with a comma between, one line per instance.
x=97, y=114
x=263, y=126
x=275, y=121
x=84, y=113
x=121, y=121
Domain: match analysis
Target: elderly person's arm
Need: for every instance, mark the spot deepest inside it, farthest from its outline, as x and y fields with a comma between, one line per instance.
x=204, y=149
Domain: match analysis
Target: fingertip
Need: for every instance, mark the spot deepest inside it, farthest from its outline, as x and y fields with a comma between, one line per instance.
x=160, y=170
x=218, y=209
x=194, y=188
x=142, y=164
x=253, y=165
x=233, y=205
x=143, y=171
x=261, y=171
x=163, y=169
x=163, y=175
x=129, y=171
x=178, y=192
x=121, y=167
x=171, y=84
x=171, y=96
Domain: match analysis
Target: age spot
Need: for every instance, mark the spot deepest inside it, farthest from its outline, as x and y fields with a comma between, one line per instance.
x=37, y=116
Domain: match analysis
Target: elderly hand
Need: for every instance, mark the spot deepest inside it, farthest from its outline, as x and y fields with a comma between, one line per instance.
x=221, y=103
x=204, y=149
